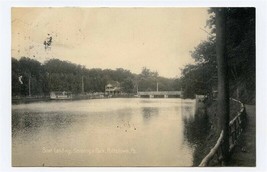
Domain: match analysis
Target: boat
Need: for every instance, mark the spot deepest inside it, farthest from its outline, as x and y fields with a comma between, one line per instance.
x=60, y=95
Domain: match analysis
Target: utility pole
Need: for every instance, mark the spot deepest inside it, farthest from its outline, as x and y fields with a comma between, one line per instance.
x=182, y=94
x=82, y=86
x=29, y=85
x=223, y=83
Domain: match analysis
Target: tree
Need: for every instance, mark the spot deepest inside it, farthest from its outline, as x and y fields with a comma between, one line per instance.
x=33, y=78
x=240, y=51
x=147, y=80
x=127, y=85
x=223, y=84
x=58, y=75
x=16, y=85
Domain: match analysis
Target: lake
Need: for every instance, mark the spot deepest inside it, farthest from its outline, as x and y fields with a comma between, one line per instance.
x=103, y=132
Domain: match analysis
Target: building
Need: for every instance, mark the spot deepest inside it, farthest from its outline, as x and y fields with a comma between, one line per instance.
x=113, y=88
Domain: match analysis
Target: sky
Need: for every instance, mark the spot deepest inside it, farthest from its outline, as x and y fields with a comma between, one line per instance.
x=131, y=38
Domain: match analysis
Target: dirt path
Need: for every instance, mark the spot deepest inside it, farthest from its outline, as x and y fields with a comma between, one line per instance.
x=245, y=152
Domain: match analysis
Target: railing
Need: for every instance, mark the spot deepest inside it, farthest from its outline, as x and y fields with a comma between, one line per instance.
x=159, y=92
x=236, y=126
x=216, y=150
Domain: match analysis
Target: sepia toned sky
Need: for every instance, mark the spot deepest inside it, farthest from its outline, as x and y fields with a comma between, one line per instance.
x=131, y=38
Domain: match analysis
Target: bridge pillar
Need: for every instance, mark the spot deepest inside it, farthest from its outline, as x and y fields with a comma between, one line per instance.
x=165, y=96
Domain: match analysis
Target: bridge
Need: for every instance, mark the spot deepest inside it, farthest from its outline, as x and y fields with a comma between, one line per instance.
x=160, y=94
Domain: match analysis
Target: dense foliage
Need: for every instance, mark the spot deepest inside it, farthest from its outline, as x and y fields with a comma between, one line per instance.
x=57, y=75
x=200, y=78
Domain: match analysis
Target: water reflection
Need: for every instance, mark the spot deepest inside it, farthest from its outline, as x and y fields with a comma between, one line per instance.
x=108, y=132
x=33, y=121
x=149, y=113
x=196, y=130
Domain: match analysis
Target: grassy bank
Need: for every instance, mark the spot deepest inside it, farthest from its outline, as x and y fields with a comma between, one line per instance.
x=211, y=135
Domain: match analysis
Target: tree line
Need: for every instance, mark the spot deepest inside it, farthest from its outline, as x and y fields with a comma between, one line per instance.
x=29, y=76
x=197, y=78
x=201, y=77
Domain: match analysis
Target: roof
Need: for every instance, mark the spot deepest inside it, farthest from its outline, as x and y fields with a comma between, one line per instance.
x=109, y=85
x=113, y=84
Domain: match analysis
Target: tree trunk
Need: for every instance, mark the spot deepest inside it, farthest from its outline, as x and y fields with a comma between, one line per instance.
x=223, y=83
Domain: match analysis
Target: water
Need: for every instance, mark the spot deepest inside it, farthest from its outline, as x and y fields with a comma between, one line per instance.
x=103, y=132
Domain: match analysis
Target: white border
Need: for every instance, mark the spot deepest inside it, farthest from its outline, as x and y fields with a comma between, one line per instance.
x=5, y=74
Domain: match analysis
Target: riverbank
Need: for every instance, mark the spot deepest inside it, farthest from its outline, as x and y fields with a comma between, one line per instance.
x=210, y=138
x=21, y=100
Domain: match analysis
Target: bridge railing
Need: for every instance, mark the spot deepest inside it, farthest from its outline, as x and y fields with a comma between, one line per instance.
x=159, y=93
x=236, y=126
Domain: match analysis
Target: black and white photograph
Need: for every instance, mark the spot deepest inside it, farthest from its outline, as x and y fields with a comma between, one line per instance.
x=132, y=86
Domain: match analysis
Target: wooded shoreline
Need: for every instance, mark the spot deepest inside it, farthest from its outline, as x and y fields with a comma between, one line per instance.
x=21, y=100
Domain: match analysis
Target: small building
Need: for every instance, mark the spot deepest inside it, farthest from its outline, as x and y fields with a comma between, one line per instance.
x=113, y=88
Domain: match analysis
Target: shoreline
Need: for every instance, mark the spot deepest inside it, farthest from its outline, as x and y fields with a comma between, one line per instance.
x=212, y=136
x=26, y=100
